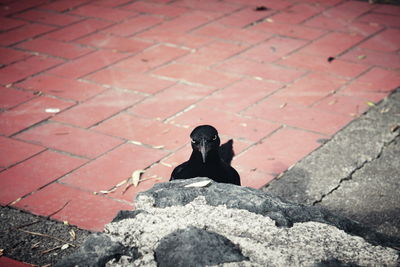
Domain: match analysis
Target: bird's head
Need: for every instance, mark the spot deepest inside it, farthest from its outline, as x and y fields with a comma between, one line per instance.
x=204, y=139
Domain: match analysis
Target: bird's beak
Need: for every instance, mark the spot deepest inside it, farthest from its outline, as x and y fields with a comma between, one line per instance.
x=203, y=150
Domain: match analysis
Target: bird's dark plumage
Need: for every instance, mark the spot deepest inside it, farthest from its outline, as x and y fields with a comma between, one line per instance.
x=208, y=158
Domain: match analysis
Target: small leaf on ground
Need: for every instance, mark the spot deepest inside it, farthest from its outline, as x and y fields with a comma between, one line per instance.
x=136, y=177
x=72, y=234
x=134, y=180
x=371, y=104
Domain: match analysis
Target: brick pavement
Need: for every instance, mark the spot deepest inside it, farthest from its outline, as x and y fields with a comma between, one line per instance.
x=91, y=91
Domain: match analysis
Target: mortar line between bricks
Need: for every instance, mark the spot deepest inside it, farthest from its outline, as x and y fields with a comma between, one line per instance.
x=12, y=29
x=66, y=60
x=214, y=39
x=31, y=55
x=59, y=179
x=34, y=74
x=102, y=68
x=85, y=18
x=42, y=54
x=214, y=66
x=284, y=85
x=281, y=127
x=310, y=131
x=357, y=44
x=356, y=169
x=97, y=49
x=12, y=45
x=23, y=10
x=107, y=87
x=294, y=127
x=21, y=103
x=141, y=31
x=95, y=193
x=38, y=189
x=57, y=151
x=76, y=102
x=342, y=87
x=194, y=104
x=47, y=121
x=132, y=55
x=261, y=140
x=171, y=61
x=68, y=100
x=327, y=8
x=251, y=24
x=124, y=110
x=348, y=82
x=113, y=22
x=302, y=23
x=190, y=31
x=125, y=141
x=48, y=24
x=31, y=126
x=127, y=4
x=28, y=158
x=164, y=21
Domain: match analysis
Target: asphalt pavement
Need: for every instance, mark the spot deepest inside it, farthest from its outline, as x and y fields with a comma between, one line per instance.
x=356, y=173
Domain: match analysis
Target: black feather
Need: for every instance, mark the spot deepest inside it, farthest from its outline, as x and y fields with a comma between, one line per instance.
x=226, y=152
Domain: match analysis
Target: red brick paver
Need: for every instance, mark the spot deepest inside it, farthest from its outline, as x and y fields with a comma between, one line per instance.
x=4, y=261
x=91, y=91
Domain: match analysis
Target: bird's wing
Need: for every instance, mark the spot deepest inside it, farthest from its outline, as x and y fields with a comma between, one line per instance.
x=226, y=152
x=177, y=172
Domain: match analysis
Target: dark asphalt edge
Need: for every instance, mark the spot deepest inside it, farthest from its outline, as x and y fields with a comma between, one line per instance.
x=37, y=240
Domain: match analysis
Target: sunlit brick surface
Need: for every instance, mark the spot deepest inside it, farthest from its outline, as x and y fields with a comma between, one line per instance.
x=91, y=91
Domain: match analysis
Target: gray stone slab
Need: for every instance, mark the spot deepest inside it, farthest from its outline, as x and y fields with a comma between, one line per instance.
x=359, y=149
x=372, y=194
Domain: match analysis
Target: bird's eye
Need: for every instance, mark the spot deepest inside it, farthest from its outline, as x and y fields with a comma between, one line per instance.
x=214, y=138
x=194, y=142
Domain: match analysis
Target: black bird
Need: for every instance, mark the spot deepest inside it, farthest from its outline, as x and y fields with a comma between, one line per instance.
x=208, y=158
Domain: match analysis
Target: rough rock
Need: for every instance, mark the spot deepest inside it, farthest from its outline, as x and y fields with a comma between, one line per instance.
x=97, y=250
x=191, y=245
x=228, y=225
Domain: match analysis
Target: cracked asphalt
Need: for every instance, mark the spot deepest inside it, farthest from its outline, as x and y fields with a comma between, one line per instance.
x=356, y=173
